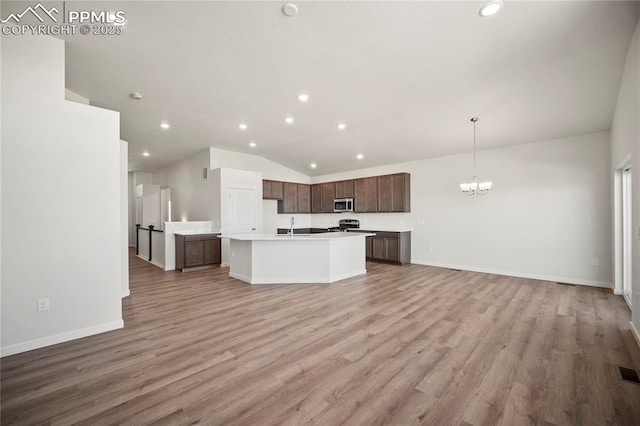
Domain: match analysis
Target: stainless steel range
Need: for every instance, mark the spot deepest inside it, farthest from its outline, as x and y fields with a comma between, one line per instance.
x=345, y=224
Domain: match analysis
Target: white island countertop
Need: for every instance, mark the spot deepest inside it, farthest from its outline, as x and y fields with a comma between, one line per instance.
x=188, y=232
x=297, y=237
x=386, y=228
x=301, y=259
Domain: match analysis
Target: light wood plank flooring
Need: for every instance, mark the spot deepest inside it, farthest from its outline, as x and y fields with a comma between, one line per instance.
x=400, y=346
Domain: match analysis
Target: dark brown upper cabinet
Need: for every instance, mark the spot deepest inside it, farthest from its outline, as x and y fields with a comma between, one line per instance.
x=328, y=195
x=365, y=195
x=316, y=198
x=401, y=192
x=344, y=189
x=375, y=194
x=322, y=196
x=295, y=198
x=289, y=202
x=304, y=198
x=272, y=190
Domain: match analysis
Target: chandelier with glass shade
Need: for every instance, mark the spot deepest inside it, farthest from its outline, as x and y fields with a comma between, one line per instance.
x=475, y=187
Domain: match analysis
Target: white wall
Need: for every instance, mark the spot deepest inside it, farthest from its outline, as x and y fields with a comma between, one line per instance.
x=625, y=140
x=150, y=205
x=546, y=217
x=60, y=203
x=196, y=199
x=191, y=197
x=269, y=169
x=124, y=218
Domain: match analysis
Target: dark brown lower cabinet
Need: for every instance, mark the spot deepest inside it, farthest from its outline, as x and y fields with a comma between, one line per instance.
x=394, y=247
x=197, y=250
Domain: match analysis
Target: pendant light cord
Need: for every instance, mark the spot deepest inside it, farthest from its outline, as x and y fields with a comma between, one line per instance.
x=474, y=121
x=474, y=149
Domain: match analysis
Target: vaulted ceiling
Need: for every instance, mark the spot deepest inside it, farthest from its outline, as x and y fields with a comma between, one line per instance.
x=405, y=77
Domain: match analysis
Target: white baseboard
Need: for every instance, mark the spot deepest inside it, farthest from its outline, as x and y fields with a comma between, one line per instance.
x=577, y=281
x=240, y=277
x=635, y=333
x=59, y=338
x=618, y=291
x=125, y=293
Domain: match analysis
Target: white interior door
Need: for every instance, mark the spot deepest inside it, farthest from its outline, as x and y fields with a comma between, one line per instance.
x=627, y=234
x=243, y=210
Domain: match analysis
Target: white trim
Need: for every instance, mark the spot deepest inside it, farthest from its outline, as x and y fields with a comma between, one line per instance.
x=156, y=263
x=60, y=338
x=577, y=281
x=311, y=280
x=617, y=223
x=635, y=333
x=618, y=291
x=125, y=294
x=628, y=300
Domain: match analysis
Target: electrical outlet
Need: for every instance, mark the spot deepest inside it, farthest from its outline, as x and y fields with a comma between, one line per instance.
x=595, y=261
x=43, y=304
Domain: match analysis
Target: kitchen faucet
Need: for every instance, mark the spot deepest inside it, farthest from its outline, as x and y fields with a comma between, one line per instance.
x=292, y=222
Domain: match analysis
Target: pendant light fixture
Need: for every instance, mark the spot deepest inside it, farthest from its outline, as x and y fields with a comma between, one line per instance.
x=475, y=188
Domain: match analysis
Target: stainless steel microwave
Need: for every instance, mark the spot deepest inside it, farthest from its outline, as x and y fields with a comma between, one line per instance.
x=343, y=205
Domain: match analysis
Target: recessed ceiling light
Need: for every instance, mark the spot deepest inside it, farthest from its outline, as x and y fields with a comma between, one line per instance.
x=290, y=9
x=288, y=120
x=359, y=156
x=313, y=165
x=146, y=153
x=137, y=96
x=165, y=125
x=303, y=97
x=342, y=126
x=491, y=8
x=252, y=144
x=242, y=126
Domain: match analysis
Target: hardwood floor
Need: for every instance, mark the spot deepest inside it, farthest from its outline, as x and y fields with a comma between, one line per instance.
x=400, y=346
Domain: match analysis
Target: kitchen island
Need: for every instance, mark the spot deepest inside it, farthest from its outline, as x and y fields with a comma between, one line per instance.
x=299, y=259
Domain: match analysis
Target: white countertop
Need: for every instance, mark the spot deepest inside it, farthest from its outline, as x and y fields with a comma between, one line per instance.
x=303, y=237
x=195, y=232
x=386, y=228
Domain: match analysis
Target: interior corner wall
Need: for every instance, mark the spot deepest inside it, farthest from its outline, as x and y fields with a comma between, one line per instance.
x=61, y=233
x=625, y=140
x=546, y=217
x=191, y=196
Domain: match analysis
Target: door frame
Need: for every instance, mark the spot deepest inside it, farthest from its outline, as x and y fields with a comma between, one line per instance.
x=618, y=229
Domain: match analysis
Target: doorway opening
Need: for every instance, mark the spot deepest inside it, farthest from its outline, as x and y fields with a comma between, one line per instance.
x=623, y=231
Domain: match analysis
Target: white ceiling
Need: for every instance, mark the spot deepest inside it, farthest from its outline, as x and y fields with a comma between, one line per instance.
x=404, y=76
